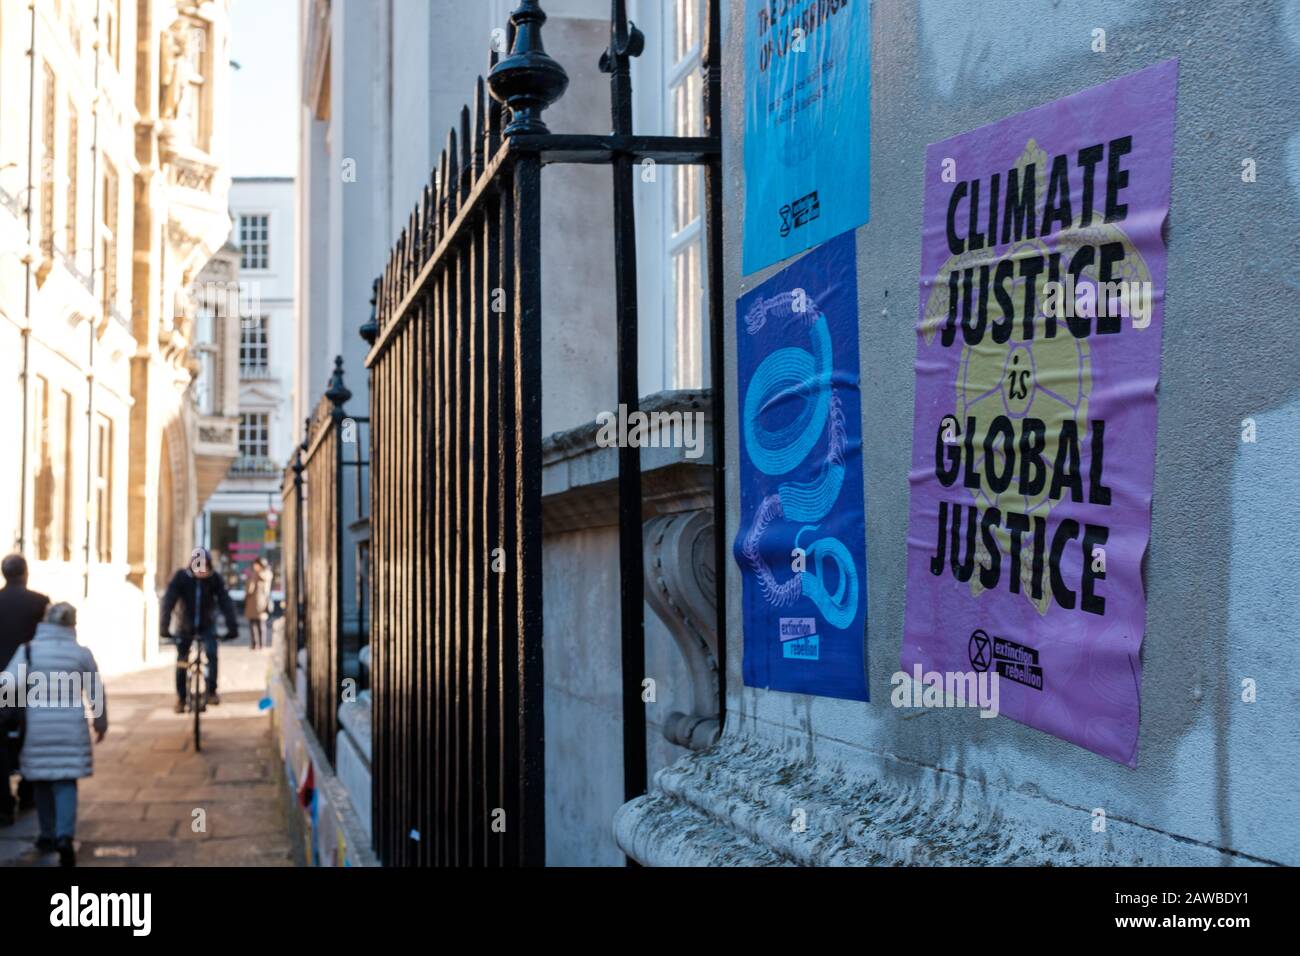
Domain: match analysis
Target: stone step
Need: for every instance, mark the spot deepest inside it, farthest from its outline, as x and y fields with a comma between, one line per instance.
x=744, y=803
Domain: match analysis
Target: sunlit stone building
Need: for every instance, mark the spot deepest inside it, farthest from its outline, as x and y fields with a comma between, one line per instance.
x=113, y=183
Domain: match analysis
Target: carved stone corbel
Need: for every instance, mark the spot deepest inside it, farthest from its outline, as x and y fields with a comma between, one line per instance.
x=680, y=589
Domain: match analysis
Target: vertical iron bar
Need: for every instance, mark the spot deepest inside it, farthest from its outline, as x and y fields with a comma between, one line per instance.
x=437, y=633
x=446, y=644
x=401, y=647
x=382, y=451
x=336, y=656
x=465, y=505
x=381, y=484
x=631, y=557
x=407, y=585
x=717, y=372
x=338, y=396
x=492, y=529
x=383, y=634
x=528, y=445
x=455, y=348
x=508, y=738
x=377, y=622
x=422, y=745
x=477, y=552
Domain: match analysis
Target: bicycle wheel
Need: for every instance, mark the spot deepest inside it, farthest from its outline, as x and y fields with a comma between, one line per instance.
x=196, y=700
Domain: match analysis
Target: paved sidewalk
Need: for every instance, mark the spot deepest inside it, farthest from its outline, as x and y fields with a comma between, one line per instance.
x=139, y=807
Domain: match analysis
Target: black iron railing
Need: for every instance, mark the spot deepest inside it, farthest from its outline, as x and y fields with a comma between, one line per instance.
x=455, y=400
x=291, y=542
x=317, y=580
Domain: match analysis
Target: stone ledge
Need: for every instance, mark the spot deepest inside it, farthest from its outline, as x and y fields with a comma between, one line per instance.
x=354, y=719
x=580, y=477
x=335, y=795
x=734, y=805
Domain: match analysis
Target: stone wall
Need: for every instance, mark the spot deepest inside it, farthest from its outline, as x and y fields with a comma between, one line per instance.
x=880, y=785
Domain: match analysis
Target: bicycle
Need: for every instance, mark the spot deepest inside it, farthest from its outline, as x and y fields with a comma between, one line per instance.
x=196, y=687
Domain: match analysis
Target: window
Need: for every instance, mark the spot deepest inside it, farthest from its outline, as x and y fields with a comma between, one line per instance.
x=255, y=242
x=102, y=490
x=253, y=352
x=685, y=235
x=53, y=491
x=43, y=492
x=112, y=19
x=108, y=233
x=47, y=167
x=198, y=106
x=72, y=182
x=63, y=411
x=254, y=435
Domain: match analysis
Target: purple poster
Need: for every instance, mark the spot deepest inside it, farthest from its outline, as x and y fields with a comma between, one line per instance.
x=1033, y=442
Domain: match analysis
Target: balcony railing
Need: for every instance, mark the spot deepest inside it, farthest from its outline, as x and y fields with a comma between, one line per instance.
x=254, y=466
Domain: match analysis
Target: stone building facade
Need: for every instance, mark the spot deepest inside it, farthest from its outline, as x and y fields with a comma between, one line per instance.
x=114, y=187
x=239, y=522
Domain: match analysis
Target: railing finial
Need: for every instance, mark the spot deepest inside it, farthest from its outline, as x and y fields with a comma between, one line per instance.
x=370, y=328
x=337, y=392
x=625, y=40
x=528, y=80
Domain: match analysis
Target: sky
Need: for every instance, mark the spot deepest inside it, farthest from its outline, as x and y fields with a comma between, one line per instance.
x=264, y=114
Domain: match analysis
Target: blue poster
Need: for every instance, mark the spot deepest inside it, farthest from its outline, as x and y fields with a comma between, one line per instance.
x=807, y=124
x=802, y=540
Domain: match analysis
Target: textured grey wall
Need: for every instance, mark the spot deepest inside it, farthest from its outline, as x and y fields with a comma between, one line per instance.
x=578, y=372
x=583, y=702
x=1223, y=564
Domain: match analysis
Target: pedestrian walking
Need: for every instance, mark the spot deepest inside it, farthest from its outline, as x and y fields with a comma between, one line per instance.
x=196, y=595
x=20, y=611
x=61, y=679
x=257, y=602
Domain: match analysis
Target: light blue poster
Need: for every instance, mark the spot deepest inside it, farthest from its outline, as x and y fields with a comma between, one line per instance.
x=807, y=124
x=801, y=545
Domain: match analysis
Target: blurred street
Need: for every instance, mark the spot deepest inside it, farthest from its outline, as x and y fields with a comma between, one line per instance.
x=138, y=809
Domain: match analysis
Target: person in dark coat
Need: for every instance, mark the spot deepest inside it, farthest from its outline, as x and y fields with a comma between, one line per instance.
x=196, y=595
x=20, y=611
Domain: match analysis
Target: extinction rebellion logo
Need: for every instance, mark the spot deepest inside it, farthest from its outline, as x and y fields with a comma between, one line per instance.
x=799, y=640
x=1010, y=660
x=800, y=212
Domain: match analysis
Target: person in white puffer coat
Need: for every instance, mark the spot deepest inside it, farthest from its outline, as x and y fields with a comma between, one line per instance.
x=62, y=678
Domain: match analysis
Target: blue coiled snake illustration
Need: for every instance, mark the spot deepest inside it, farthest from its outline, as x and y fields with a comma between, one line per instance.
x=804, y=376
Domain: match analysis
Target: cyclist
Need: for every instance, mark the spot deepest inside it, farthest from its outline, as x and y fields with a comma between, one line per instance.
x=196, y=594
